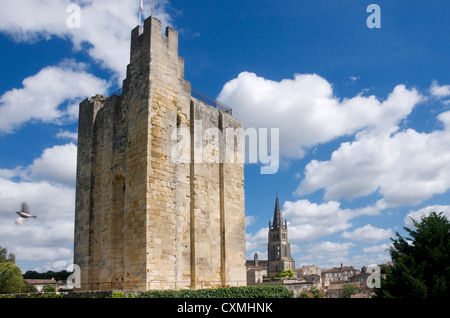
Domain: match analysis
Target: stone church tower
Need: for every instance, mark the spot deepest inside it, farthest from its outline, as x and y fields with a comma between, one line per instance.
x=279, y=248
x=145, y=219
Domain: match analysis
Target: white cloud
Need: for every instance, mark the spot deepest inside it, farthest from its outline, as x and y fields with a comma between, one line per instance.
x=249, y=220
x=262, y=254
x=105, y=25
x=309, y=221
x=50, y=202
x=360, y=260
x=48, y=186
x=376, y=248
x=46, y=239
x=418, y=214
x=406, y=167
x=257, y=241
x=439, y=91
x=42, y=94
x=65, y=134
x=325, y=254
x=369, y=234
x=57, y=164
x=308, y=110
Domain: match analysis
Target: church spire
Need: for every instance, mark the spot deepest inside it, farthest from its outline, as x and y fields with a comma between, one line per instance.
x=278, y=248
x=277, y=219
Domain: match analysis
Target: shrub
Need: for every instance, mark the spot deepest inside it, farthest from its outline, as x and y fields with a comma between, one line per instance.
x=117, y=294
x=226, y=292
x=45, y=295
x=313, y=292
x=49, y=289
x=286, y=273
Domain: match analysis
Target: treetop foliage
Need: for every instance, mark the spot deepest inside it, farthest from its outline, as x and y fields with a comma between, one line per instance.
x=421, y=261
x=5, y=257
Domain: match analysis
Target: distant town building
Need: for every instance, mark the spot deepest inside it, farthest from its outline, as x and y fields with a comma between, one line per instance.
x=333, y=281
x=310, y=274
x=41, y=284
x=256, y=270
x=342, y=273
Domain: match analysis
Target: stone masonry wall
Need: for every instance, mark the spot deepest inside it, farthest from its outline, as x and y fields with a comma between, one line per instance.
x=144, y=219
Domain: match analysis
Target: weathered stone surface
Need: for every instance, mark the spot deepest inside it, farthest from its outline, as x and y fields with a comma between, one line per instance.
x=144, y=219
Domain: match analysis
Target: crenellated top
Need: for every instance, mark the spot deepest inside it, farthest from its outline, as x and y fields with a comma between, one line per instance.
x=152, y=35
x=153, y=55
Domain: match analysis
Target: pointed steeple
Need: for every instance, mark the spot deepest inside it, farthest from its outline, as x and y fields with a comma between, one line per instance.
x=278, y=248
x=277, y=219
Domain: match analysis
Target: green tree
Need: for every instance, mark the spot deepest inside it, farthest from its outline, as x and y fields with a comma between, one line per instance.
x=305, y=294
x=313, y=292
x=286, y=273
x=11, y=280
x=348, y=289
x=5, y=257
x=29, y=288
x=49, y=289
x=421, y=262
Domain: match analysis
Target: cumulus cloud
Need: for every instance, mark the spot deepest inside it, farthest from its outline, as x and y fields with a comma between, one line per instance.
x=57, y=164
x=325, y=254
x=65, y=134
x=50, y=202
x=439, y=91
x=42, y=95
x=418, y=214
x=48, y=238
x=50, y=179
x=369, y=234
x=309, y=221
x=250, y=219
x=376, y=248
x=405, y=167
x=105, y=25
x=307, y=112
x=257, y=241
x=48, y=186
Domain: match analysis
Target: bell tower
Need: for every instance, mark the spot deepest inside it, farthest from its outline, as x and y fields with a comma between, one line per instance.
x=279, y=248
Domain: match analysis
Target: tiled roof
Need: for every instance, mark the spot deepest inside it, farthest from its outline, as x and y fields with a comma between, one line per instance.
x=40, y=281
x=339, y=269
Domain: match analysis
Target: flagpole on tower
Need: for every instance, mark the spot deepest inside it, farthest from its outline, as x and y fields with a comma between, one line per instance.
x=141, y=9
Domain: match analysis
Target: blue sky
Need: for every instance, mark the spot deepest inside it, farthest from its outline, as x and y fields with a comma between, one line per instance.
x=363, y=113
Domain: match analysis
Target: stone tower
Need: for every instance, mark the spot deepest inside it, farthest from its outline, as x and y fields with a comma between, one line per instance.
x=146, y=219
x=279, y=248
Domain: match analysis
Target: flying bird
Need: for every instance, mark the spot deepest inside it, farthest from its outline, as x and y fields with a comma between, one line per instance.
x=24, y=214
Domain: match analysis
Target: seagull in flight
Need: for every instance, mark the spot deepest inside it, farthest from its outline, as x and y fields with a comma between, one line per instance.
x=24, y=214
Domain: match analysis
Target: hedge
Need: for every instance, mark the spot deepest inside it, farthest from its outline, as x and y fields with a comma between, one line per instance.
x=266, y=291
x=269, y=291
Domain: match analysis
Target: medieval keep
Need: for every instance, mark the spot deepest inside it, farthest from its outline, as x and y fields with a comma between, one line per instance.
x=144, y=219
x=279, y=248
